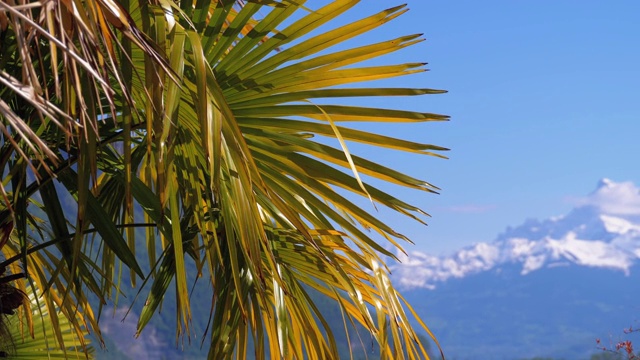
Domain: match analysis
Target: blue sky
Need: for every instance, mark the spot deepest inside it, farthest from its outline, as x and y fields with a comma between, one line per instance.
x=543, y=102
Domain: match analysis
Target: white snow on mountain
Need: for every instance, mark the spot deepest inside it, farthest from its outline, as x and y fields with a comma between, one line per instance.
x=615, y=198
x=602, y=231
x=618, y=225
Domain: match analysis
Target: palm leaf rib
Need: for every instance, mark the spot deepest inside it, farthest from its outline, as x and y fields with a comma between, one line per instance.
x=221, y=130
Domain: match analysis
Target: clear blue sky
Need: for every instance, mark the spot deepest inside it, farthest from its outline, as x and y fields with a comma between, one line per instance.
x=544, y=101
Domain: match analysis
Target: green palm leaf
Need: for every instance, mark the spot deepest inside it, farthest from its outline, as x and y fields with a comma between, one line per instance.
x=213, y=133
x=39, y=342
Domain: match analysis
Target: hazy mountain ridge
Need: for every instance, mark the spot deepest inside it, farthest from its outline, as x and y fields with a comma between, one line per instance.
x=555, y=313
x=603, y=231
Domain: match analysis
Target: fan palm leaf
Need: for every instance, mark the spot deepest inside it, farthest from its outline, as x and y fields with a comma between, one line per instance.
x=41, y=341
x=207, y=124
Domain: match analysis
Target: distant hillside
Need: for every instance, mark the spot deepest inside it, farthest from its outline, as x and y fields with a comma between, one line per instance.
x=557, y=313
x=545, y=288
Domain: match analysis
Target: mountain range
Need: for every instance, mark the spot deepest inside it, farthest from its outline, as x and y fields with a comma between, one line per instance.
x=545, y=288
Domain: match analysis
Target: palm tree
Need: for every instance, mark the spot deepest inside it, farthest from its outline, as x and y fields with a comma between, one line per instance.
x=206, y=125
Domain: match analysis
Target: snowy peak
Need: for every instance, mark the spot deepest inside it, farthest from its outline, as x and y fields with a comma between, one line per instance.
x=605, y=183
x=618, y=199
x=602, y=231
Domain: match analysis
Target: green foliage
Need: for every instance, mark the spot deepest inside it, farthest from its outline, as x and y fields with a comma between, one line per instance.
x=205, y=124
x=39, y=342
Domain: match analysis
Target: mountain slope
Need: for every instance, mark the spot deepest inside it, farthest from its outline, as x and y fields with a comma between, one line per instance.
x=557, y=312
x=545, y=288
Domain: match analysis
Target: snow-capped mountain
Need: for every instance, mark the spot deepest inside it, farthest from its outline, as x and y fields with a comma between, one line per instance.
x=602, y=231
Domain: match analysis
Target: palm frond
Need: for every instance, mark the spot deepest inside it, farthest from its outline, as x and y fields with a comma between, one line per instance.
x=210, y=128
x=31, y=333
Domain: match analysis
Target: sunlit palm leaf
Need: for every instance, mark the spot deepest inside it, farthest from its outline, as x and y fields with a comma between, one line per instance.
x=41, y=344
x=258, y=149
x=216, y=146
